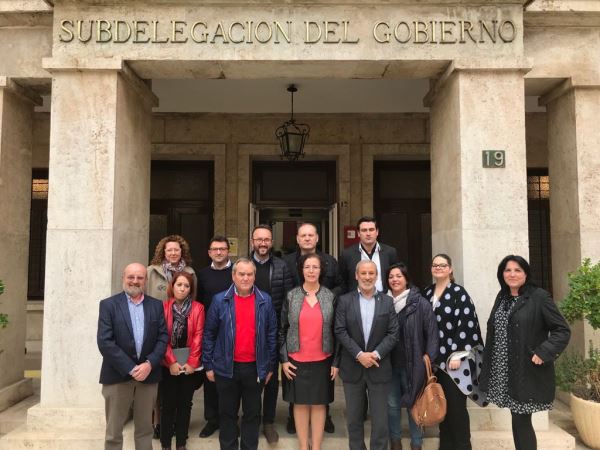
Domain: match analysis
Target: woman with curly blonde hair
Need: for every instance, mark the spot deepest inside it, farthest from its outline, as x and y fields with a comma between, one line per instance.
x=172, y=255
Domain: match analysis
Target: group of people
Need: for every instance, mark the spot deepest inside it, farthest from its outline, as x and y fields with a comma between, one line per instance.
x=230, y=327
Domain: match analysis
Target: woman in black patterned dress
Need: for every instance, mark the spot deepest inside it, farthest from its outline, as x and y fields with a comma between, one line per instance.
x=525, y=332
x=458, y=331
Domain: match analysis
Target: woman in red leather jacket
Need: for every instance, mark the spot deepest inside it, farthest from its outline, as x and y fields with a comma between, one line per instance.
x=185, y=324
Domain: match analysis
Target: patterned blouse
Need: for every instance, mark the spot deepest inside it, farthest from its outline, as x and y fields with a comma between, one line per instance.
x=457, y=321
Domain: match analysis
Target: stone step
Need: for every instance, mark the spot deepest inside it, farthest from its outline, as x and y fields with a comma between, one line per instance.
x=486, y=425
x=23, y=439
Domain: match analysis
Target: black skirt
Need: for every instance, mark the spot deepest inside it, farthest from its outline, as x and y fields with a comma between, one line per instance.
x=312, y=384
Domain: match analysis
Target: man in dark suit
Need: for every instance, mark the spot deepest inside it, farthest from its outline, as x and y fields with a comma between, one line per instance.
x=367, y=329
x=368, y=249
x=132, y=338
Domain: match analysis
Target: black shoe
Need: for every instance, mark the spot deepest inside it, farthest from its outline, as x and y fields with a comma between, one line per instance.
x=329, y=426
x=209, y=429
x=290, y=426
x=156, y=434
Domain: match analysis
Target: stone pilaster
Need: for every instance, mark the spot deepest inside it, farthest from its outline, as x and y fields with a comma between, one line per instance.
x=574, y=167
x=16, y=120
x=479, y=215
x=98, y=209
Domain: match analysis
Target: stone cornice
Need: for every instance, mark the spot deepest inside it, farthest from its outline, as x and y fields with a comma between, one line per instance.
x=521, y=66
x=57, y=65
x=289, y=3
x=17, y=89
x=566, y=87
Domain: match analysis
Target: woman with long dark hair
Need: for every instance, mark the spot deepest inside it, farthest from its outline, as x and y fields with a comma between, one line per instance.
x=418, y=336
x=525, y=332
x=185, y=323
x=458, y=329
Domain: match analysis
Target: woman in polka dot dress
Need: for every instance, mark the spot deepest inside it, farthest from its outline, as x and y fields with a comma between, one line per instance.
x=458, y=331
x=525, y=332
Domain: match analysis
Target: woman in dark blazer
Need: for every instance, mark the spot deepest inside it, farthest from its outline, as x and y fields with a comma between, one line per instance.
x=418, y=336
x=307, y=350
x=525, y=332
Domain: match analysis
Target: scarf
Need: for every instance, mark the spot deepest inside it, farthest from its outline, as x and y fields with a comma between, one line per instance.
x=400, y=301
x=180, y=315
x=508, y=301
x=169, y=269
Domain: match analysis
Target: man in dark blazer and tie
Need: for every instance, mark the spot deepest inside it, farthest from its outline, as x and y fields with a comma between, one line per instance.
x=367, y=329
x=368, y=249
x=132, y=338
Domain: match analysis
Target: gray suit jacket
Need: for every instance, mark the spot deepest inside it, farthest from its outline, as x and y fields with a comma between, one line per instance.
x=349, y=333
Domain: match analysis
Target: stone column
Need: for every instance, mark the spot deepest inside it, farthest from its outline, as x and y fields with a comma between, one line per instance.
x=16, y=119
x=479, y=215
x=574, y=167
x=98, y=212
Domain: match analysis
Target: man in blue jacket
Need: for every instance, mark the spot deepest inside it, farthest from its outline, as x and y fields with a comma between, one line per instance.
x=240, y=353
x=132, y=338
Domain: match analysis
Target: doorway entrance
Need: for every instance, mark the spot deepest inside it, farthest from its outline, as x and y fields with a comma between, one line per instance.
x=286, y=195
x=403, y=205
x=181, y=202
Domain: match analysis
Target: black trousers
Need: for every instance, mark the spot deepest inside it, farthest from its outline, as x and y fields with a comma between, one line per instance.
x=455, y=430
x=211, y=401
x=242, y=387
x=270, y=397
x=177, y=393
x=523, y=432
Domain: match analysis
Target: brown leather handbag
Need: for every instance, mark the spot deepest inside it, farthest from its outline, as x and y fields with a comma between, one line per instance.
x=430, y=407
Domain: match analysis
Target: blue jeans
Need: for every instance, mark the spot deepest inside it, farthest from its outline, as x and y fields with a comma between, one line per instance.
x=399, y=387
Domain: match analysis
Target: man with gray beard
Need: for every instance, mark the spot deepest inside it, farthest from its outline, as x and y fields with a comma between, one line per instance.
x=132, y=338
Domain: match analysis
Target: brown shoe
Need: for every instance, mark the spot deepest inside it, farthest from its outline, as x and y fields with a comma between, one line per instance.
x=414, y=447
x=270, y=433
x=395, y=444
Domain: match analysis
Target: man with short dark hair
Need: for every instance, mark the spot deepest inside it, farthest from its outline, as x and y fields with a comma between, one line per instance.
x=368, y=249
x=132, y=338
x=239, y=353
x=274, y=278
x=307, y=238
x=366, y=327
x=213, y=279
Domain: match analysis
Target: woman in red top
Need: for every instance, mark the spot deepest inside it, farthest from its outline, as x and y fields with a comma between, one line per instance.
x=185, y=324
x=307, y=350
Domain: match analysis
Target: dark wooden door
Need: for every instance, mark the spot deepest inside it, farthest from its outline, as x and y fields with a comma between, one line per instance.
x=403, y=208
x=182, y=203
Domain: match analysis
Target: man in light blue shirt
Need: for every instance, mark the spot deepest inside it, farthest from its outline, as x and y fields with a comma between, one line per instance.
x=367, y=329
x=132, y=338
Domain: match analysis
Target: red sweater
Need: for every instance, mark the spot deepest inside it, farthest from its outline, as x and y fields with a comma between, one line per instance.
x=194, y=338
x=244, y=348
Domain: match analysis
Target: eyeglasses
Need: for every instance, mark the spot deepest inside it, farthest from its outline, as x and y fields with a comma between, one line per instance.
x=440, y=266
x=218, y=249
x=263, y=240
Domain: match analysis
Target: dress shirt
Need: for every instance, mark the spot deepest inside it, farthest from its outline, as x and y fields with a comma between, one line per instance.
x=367, y=313
x=212, y=265
x=136, y=311
x=375, y=258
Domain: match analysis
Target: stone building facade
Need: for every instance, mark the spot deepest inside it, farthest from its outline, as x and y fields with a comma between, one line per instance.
x=100, y=141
